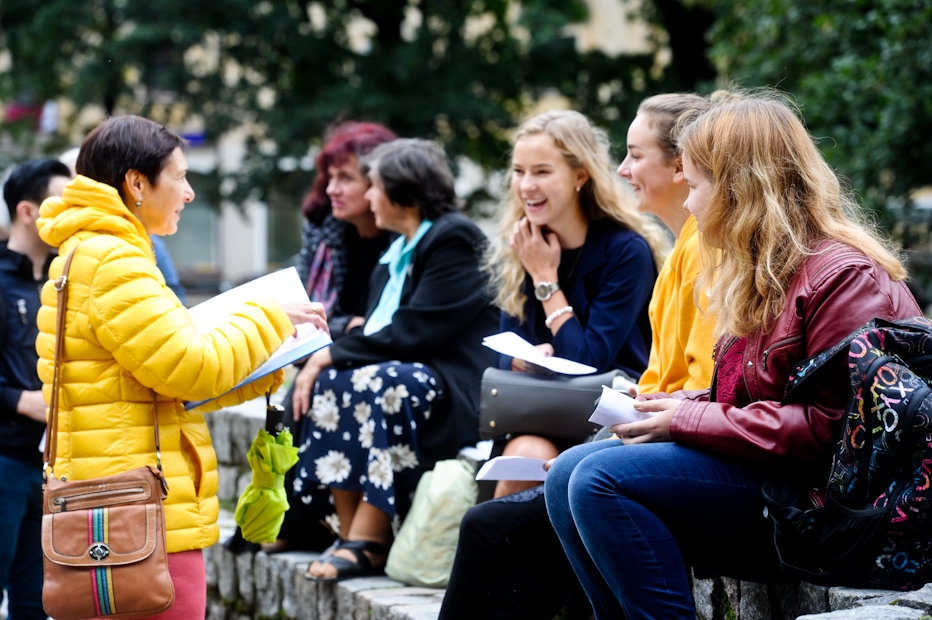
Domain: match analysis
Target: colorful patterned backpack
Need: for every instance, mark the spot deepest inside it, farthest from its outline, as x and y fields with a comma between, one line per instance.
x=872, y=527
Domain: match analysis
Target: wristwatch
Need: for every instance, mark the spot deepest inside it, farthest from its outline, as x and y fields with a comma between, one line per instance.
x=544, y=290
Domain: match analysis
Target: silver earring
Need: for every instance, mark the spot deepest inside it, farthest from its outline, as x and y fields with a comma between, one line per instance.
x=577, y=190
x=139, y=202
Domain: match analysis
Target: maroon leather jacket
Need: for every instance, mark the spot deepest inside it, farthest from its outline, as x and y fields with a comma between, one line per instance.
x=834, y=293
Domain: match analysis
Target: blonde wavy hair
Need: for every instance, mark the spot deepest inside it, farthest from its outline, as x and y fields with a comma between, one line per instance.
x=603, y=196
x=773, y=198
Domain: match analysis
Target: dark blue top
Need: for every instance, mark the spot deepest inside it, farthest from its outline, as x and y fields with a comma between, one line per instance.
x=609, y=289
x=19, y=435
x=163, y=260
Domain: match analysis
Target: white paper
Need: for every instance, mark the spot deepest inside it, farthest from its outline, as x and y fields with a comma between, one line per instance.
x=510, y=343
x=513, y=468
x=621, y=384
x=285, y=287
x=616, y=408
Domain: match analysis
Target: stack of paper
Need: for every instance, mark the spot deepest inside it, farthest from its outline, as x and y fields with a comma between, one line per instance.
x=510, y=343
x=286, y=288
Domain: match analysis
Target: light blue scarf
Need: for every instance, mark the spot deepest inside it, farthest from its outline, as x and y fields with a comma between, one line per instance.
x=398, y=258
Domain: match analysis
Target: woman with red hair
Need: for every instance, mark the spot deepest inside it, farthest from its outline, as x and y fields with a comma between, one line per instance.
x=341, y=243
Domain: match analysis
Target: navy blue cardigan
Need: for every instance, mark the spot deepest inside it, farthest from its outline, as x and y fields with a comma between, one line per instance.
x=609, y=290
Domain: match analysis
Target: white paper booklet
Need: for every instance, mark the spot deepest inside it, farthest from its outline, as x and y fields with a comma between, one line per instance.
x=616, y=408
x=284, y=286
x=513, y=468
x=510, y=343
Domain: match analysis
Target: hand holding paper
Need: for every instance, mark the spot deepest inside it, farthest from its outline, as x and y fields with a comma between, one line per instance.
x=616, y=408
x=510, y=343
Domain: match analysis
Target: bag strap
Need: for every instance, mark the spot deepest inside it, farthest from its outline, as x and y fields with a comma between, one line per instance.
x=51, y=440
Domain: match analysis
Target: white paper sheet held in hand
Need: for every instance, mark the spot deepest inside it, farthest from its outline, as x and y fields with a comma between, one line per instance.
x=616, y=408
x=513, y=468
x=510, y=343
x=286, y=288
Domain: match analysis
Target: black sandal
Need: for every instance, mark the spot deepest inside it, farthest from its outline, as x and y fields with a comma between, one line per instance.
x=347, y=569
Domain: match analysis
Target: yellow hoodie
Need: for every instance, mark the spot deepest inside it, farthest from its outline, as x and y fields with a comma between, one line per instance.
x=128, y=338
x=681, y=351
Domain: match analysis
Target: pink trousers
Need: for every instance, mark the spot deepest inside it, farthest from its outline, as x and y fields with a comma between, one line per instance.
x=190, y=581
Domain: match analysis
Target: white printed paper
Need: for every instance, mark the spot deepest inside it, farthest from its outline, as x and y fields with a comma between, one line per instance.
x=286, y=288
x=510, y=343
x=616, y=408
x=513, y=468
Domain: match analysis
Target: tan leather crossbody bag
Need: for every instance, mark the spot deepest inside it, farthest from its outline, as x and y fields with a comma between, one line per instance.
x=103, y=540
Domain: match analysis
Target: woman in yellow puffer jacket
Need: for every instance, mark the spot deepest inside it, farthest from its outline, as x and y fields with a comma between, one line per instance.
x=130, y=342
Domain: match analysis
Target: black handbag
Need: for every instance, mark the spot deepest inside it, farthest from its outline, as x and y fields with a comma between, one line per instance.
x=556, y=406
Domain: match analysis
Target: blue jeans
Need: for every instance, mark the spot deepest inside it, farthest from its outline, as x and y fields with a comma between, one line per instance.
x=20, y=538
x=632, y=517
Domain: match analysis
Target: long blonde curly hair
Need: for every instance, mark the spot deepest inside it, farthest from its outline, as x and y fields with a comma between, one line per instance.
x=772, y=199
x=603, y=196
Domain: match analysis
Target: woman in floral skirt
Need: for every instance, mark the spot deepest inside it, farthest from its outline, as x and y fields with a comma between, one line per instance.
x=395, y=395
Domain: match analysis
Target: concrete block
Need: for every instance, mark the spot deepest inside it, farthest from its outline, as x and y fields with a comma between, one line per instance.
x=268, y=589
x=326, y=600
x=220, y=435
x=226, y=486
x=211, y=565
x=754, y=601
x=813, y=599
x=868, y=612
x=381, y=606
x=918, y=599
x=428, y=611
x=246, y=578
x=849, y=598
x=243, y=481
x=702, y=595
x=216, y=611
x=288, y=566
x=226, y=577
x=354, y=596
x=242, y=431
x=305, y=595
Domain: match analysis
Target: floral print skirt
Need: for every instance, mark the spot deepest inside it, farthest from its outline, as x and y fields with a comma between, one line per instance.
x=360, y=435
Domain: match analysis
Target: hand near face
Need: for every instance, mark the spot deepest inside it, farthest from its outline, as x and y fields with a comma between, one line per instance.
x=539, y=253
x=655, y=428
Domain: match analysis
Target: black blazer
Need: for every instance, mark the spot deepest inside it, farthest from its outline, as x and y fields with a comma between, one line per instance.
x=444, y=314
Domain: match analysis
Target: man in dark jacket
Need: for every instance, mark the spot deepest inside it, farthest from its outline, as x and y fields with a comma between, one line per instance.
x=24, y=262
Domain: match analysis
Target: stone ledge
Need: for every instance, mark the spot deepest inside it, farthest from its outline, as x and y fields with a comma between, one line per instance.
x=255, y=586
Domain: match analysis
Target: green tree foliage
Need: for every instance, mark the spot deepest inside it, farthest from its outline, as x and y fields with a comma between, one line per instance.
x=861, y=71
x=461, y=71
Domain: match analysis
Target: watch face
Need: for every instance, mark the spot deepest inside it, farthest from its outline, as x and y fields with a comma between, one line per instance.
x=543, y=291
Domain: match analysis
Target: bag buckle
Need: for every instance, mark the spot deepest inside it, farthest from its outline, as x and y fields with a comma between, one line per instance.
x=60, y=283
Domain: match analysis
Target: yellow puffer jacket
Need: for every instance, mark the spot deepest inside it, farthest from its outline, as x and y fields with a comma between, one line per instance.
x=127, y=340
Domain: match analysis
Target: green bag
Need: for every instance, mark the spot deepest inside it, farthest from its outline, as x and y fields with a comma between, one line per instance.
x=423, y=551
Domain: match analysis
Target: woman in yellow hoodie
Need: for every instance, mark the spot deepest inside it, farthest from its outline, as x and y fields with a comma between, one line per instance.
x=131, y=347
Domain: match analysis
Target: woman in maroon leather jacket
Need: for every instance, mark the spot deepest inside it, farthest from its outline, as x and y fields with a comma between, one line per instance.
x=785, y=282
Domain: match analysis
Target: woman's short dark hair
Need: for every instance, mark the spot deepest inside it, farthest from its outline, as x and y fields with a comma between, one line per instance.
x=123, y=143
x=415, y=173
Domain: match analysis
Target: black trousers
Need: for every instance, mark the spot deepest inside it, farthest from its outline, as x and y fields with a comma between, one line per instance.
x=510, y=564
